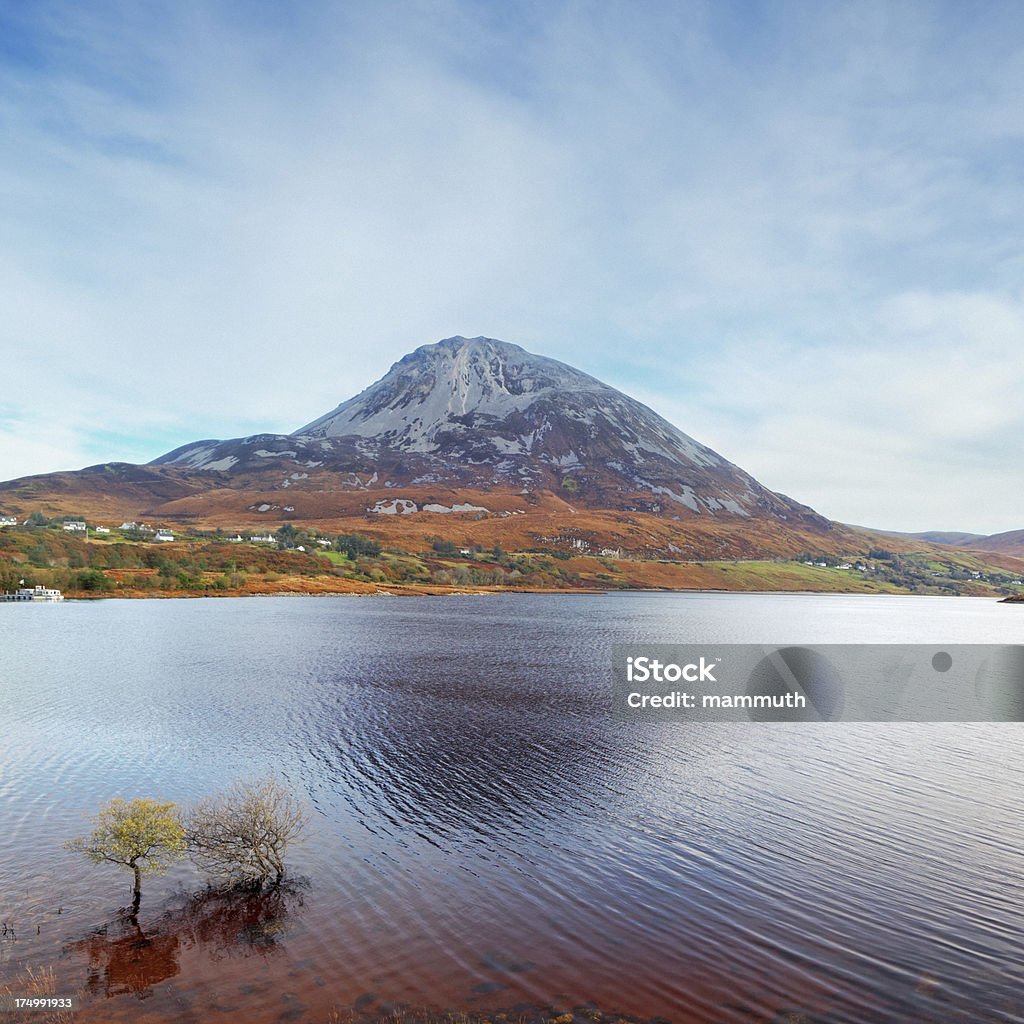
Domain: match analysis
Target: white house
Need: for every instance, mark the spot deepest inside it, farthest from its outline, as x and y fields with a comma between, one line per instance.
x=164, y=535
x=75, y=526
x=101, y=529
x=8, y=521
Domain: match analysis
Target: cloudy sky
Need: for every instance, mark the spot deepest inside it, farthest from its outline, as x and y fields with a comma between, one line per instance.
x=793, y=229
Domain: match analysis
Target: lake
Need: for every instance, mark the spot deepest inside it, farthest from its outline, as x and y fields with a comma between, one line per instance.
x=485, y=835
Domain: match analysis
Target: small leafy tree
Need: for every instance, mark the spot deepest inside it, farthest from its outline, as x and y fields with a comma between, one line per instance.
x=93, y=579
x=286, y=535
x=239, y=837
x=355, y=545
x=143, y=835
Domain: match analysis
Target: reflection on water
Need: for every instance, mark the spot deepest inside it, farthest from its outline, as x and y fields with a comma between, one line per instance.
x=487, y=836
x=123, y=959
x=129, y=957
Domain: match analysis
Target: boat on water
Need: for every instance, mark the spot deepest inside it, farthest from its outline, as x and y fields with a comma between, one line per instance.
x=33, y=594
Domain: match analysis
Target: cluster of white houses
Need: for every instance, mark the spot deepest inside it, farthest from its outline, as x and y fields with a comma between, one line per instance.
x=80, y=526
x=161, y=535
x=269, y=538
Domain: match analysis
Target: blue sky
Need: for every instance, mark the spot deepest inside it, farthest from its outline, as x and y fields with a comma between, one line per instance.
x=793, y=229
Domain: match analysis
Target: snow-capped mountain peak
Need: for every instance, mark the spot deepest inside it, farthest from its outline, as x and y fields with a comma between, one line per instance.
x=484, y=387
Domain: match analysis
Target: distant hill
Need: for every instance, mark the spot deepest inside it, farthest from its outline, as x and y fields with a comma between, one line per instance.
x=937, y=536
x=941, y=537
x=1010, y=543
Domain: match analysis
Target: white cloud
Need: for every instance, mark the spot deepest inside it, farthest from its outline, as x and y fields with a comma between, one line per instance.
x=799, y=238
x=915, y=416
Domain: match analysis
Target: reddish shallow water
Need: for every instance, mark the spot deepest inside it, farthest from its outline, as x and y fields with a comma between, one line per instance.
x=486, y=836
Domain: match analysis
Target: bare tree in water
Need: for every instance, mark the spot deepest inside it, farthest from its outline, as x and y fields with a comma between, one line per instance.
x=239, y=837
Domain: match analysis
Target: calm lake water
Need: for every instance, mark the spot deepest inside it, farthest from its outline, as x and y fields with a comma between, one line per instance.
x=485, y=834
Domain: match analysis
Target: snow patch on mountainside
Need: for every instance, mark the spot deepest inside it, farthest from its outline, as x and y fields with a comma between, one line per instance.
x=445, y=510
x=394, y=507
x=685, y=496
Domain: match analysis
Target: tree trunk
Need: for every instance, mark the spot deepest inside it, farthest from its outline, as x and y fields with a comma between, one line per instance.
x=137, y=891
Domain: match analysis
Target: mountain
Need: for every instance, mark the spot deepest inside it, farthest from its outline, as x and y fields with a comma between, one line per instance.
x=1009, y=543
x=485, y=414
x=945, y=537
x=468, y=430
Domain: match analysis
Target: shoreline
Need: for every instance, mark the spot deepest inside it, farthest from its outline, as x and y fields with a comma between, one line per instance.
x=410, y=591
x=214, y=567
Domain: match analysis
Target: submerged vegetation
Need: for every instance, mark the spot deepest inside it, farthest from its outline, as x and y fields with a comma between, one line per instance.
x=520, y=1014
x=237, y=838
x=145, y=836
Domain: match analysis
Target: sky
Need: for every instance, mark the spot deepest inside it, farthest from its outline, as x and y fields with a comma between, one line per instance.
x=794, y=229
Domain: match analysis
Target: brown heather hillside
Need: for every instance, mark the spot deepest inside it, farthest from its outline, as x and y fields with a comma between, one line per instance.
x=164, y=496
x=647, y=549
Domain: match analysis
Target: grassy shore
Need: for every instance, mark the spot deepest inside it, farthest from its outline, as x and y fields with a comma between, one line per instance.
x=293, y=562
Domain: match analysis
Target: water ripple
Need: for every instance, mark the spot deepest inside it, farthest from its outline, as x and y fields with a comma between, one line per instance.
x=486, y=835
